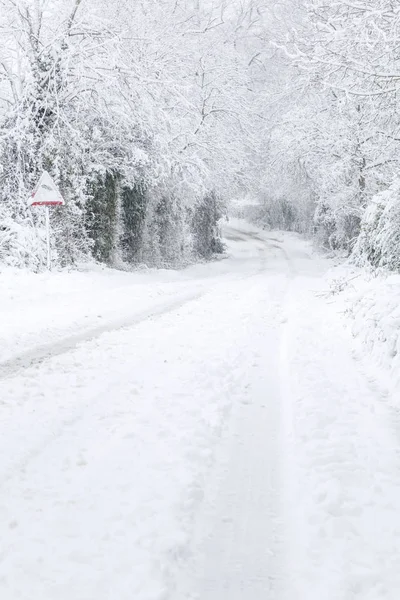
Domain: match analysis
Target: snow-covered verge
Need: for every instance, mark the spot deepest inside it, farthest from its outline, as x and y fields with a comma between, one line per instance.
x=43, y=309
x=40, y=310
x=342, y=460
x=372, y=303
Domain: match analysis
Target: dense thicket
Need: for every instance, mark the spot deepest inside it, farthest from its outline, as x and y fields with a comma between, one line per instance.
x=145, y=115
x=333, y=159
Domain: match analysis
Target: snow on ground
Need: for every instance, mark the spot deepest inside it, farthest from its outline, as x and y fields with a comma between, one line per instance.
x=216, y=437
x=40, y=310
x=104, y=447
x=372, y=301
x=342, y=465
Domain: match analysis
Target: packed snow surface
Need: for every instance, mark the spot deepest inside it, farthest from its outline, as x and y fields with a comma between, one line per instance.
x=208, y=434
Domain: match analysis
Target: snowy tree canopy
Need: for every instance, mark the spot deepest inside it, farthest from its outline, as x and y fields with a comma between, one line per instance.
x=140, y=112
x=335, y=141
x=152, y=115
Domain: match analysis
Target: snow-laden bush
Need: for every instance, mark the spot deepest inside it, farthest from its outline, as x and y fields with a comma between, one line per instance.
x=22, y=244
x=379, y=240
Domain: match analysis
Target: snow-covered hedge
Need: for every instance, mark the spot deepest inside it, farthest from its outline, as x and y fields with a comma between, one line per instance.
x=379, y=240
x=373, y=304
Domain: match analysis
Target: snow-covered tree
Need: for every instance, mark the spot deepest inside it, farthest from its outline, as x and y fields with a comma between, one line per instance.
x=140, y=111
x=333, y=140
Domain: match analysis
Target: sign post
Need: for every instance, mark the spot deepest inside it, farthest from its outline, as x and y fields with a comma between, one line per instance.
x=48, y=238
x=46, y=194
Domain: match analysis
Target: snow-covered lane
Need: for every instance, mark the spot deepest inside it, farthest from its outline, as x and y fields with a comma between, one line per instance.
x=304, y=501
x=39, y=313
x=104, y=449
x=226, y=447
x=236, y=547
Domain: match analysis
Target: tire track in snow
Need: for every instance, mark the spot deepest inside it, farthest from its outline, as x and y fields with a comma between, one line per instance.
x=40, y=354
x=36, y=356
x=237, y=550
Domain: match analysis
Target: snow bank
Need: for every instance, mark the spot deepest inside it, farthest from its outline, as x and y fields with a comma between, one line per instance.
x=372, y=301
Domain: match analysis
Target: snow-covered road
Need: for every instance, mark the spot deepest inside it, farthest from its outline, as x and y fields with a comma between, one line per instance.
x=198, y=435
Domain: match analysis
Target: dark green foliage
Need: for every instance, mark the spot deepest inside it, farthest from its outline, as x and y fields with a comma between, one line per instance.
x=102, y=217
x=71, y=243
x=170, y=224
x=280, y=213
x=206, y=234
x=134, y=205
x=164, y=236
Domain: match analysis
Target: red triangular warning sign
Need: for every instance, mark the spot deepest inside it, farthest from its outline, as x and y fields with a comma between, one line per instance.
x=46, y=193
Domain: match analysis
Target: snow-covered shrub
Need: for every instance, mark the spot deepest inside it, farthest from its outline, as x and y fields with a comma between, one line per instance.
x=336, y=229
x=379, y=240
x=22, y=244
x=164, y=230
x=286, y=199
